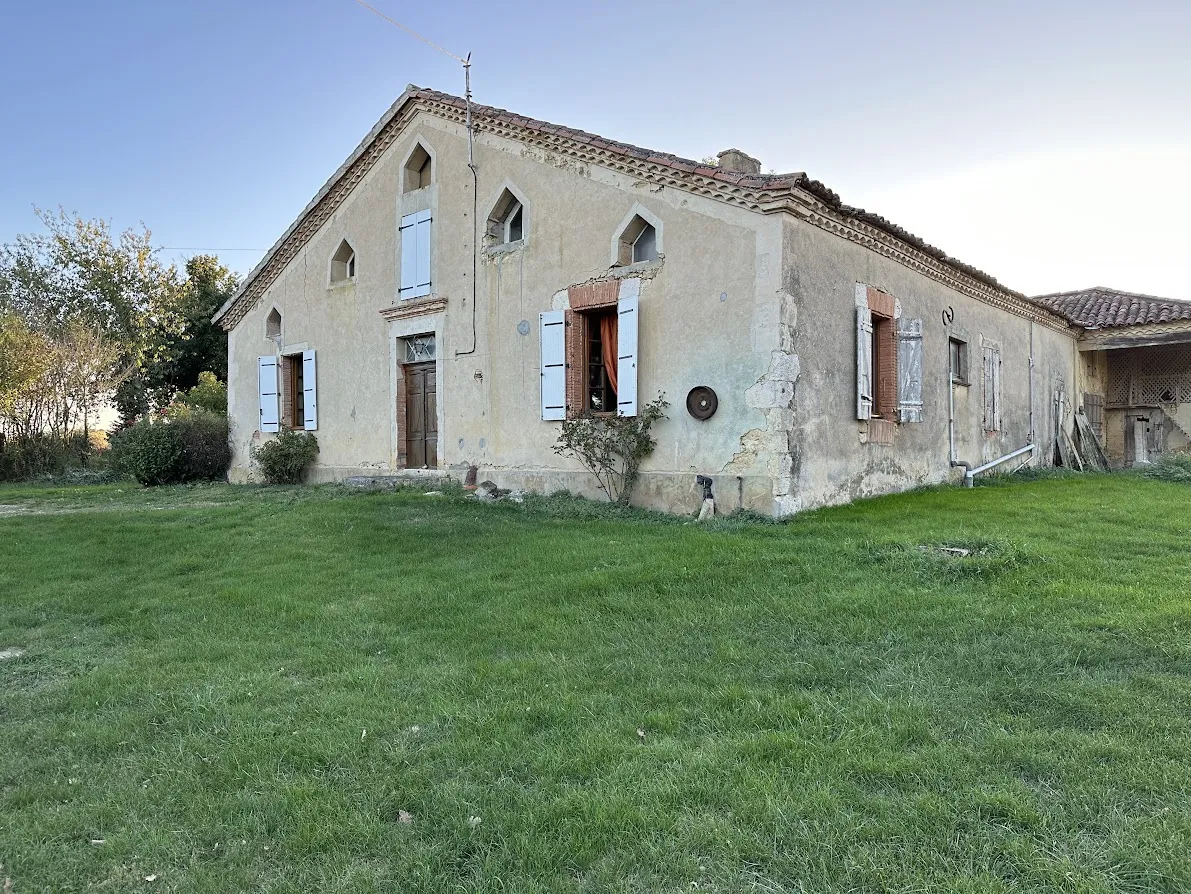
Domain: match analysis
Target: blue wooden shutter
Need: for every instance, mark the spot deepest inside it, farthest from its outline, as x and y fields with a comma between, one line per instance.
x=269, y=393
x=415, y=255
x=628, y=314
x=309, y=391
x=552, y=325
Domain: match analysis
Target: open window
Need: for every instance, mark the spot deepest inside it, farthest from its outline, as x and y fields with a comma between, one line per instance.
x=506, y=223
x=958, y=360
x=600, y=356
x=419, y=169
x=876, y=365
x=888, y=363
x=589, y=359
x=638, y=242
x=273, y=325
x=298, y=392
x=343, y=264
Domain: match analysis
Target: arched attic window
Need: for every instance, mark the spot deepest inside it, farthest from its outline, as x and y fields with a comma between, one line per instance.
x=273, y=325
x=419, y=169
x=343, y=263
x=506, y=223
x=638, y=242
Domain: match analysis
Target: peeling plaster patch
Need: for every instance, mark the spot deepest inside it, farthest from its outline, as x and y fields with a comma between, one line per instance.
x=773, y=395
x=560, y=300
x=752, y=445
x=767, y=395
x=775, y=389
x=787, y=320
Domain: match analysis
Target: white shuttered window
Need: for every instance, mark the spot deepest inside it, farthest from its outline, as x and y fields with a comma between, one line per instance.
x=269, y=393
x=415, y=255
x=628, y=312
x=552, y=326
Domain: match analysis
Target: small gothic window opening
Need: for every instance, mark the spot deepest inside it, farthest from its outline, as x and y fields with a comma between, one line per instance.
x=273, y=325
x=638, y=242
x=507, y=222
x=419, y=170
x=343, y=263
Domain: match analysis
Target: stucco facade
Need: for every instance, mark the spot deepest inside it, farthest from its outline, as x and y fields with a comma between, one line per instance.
x=752, y=291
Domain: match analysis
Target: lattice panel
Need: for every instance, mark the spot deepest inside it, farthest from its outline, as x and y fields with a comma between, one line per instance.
x=1120, y=375
x=1146, y=377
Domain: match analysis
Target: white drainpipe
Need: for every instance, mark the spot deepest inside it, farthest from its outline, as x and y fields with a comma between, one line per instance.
x=970, y=475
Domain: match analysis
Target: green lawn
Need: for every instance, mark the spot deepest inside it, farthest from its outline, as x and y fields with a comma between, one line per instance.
x=311, y=690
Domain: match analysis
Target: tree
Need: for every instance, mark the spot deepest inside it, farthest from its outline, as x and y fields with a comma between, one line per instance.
x=197, y=345
x=180, y=352
x=26, y=358
x=77, y=272
x=81, y=310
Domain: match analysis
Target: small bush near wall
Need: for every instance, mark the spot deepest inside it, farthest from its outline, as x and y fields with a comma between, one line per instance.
x=1171, y=467
x=187, y=445
x=283, y=459
x=613, y=447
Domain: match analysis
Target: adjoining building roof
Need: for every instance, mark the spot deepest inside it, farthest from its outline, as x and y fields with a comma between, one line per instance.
x=767, y=193
x=1103, y=308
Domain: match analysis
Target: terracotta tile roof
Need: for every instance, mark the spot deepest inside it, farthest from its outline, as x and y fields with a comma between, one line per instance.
x=762, y=188
x=1102, y=308
x=763, y=183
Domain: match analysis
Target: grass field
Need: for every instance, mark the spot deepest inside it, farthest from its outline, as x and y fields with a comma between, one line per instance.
x=309, y=690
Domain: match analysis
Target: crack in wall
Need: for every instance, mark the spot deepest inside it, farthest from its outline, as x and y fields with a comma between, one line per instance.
x=771, y=450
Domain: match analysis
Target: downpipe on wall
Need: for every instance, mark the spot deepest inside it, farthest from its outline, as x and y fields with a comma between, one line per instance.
x=475, y=205
x=970, y=475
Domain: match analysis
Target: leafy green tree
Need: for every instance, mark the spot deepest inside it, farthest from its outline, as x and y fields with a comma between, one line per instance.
x=79, y=272
x=197, y=345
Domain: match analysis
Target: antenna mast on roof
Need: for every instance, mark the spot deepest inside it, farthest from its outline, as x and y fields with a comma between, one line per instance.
x=466, y=63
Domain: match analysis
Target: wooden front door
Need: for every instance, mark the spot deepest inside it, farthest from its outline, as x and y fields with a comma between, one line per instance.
x=421, y=416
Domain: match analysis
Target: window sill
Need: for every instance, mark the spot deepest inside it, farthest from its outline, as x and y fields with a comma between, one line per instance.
x=504, y=248
x=340, y=284
x=638, y=266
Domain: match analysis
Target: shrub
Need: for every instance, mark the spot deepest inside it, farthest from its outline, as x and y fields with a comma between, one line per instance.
x=22, y=459
x=1171, y=467
x=187, y=446
x=612, y=447
x=206, y=451
x=285, y=457
x=151, y=452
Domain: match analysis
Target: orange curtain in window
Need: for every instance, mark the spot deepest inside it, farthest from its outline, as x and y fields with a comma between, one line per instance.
x=608, y=329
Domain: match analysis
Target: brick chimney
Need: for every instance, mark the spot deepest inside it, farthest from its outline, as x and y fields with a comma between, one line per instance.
x=738, y=162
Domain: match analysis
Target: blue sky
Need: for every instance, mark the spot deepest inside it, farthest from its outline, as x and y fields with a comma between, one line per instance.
x=1048, y=143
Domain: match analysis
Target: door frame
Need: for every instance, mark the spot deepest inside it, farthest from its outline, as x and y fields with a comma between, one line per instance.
x=406, y=320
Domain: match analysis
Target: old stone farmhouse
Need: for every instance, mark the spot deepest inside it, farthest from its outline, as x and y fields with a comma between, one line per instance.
x=424, y=312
